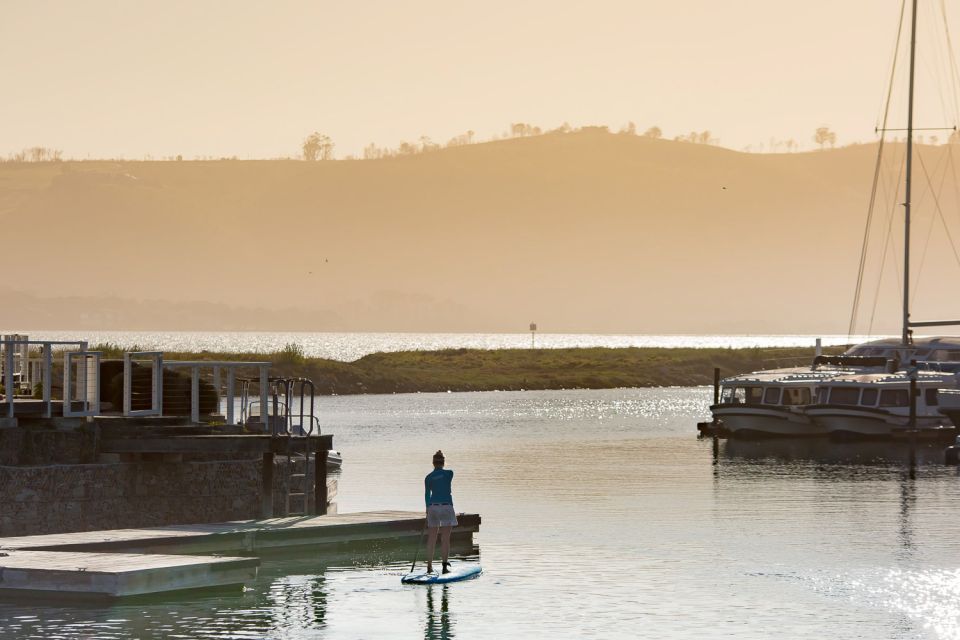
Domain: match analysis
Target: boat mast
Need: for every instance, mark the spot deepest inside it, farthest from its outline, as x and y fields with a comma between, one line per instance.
x=909, y=168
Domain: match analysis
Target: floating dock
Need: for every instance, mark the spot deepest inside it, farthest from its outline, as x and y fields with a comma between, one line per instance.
x=125, y=562
x=105, y=576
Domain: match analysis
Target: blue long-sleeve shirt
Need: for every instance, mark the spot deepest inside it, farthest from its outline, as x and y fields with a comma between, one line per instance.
x=437, y=487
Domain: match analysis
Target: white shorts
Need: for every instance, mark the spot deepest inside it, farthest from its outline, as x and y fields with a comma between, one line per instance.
x=441, y=515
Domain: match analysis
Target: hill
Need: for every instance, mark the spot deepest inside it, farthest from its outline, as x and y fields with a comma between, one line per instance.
x=585, y=231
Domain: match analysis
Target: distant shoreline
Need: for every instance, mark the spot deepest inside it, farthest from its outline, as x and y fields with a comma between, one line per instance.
x=512, y=369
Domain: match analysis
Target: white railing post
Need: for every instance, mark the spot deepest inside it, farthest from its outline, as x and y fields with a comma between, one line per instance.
x=195, y=394
x=47, y=375
x=67, y=384
x=127, y=384
x=82, y=391
x=24, y=350
x=216, y=384
x=231, y=377
x=157, y=405
x=264, y=398
x=8, y=376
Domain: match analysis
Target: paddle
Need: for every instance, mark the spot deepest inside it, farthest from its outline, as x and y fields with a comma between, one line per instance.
x=419, y=544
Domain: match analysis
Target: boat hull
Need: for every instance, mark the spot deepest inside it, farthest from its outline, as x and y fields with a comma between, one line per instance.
x=840, y=421
x=760, y=421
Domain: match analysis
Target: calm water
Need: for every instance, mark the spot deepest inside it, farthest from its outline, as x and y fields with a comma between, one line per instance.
x=350, y=346
x=603, y=517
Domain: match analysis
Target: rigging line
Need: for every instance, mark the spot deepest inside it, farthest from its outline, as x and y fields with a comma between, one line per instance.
x=893, y=66
x=923, y=196
x=956, y=182
x=936, y=201
x=934, y=65
x=883, y=257
x=954, y=71
x=876, y=177
x=866, y=239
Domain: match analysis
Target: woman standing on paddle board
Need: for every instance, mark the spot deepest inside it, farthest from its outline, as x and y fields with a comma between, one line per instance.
x=441, y=517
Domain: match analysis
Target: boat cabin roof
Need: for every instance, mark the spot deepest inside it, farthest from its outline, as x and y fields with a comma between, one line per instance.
x=936, y=348
x=924, y=378
x=796, y=375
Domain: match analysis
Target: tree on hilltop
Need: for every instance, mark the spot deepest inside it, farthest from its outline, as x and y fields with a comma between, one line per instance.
x=317, y=147
x=653, y=132
x=823, y=136
x=522, y=129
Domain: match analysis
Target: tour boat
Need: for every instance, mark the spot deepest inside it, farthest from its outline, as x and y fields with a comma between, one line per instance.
x=950, y=404
x=876, y=405
x=867, y=401
x=770, y=402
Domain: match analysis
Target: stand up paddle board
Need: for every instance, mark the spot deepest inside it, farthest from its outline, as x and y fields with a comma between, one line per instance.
x=463, y=572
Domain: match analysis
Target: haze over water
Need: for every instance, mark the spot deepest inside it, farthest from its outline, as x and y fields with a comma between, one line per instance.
x=603, y=516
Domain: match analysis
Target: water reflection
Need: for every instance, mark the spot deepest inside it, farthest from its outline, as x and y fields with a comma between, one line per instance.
x=298, y=601
x=825, y=451
x=908, y=498
x=439, y=624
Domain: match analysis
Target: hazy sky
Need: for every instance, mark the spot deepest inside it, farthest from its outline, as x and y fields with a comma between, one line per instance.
x=252, y=79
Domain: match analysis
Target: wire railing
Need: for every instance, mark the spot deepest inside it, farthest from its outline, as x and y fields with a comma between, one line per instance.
x=202, y=390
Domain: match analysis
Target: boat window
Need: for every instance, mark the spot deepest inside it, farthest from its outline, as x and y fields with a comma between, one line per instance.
x=726, y=395
x=930, y=395
x=822, y=393
x=796, y=396
x=754, y=395
x=943, y=355
x=894, y=398
x=845, y=395
x=869, y=397
x=771, y=396
x=739, y=395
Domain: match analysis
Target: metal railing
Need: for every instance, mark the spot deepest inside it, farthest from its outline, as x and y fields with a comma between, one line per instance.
x=14, y=348
x=216, y=366
x=290, y=408
x=286, y=405
x=155, y=358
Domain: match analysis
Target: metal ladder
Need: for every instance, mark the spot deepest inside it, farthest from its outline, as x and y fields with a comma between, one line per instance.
x=288, y=415
x=299, y=422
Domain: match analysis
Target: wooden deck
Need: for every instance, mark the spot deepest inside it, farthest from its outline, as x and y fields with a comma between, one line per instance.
x=125, y=562
x=233, y=443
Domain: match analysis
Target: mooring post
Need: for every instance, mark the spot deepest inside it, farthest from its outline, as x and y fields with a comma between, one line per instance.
x=320, y=480
x=716, y=385
x=913, y=421
x=266, y=492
